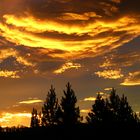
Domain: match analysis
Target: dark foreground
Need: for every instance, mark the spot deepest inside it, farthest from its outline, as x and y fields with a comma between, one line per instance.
x=72, y=133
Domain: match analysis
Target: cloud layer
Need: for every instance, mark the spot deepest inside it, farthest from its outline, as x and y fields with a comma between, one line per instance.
x=76, y=28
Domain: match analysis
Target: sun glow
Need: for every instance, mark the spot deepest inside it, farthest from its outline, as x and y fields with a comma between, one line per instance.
x=14, y=119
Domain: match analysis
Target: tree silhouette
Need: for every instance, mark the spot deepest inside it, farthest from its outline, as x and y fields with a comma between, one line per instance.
x=59, y=116
x=125, y=112
x=122, y=111
x=49, y=109
x=34, y=119
x=114, y=105
x=111, y=111
x=70, y=113
x=100, y=113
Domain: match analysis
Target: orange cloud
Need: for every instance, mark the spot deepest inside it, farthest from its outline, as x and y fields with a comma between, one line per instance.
x=9, y=74
x=132, y=80
x=66, y=66
x=32, y=101
x=5, y=53
x=24, y=31
x=75, y=16
x=32, y=24
x=110, y=74
x=90, y=99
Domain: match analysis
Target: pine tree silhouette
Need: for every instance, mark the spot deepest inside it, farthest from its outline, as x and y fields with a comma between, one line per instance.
x=114, y=105
x=125, y=112
x=111, y=112
x=122, y=111
x=49, y=109
x=59, y=116
x=70, y=113
x=34, y=119
x=100, y=113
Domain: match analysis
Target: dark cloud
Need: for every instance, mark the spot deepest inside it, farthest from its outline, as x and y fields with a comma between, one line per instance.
x=130, y=7
x=126, y=56
x=49, y=66
x=64, y=37
x=54, y=8
x=11, y=64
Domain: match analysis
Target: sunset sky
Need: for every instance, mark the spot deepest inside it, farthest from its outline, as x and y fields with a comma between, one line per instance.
x=93, y=44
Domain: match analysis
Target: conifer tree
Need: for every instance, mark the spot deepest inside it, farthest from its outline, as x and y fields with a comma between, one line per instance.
x=125, y=112
x=49, y=109
x=70, y=113
x=112, y=111
x=100, y=112
x=34, y=119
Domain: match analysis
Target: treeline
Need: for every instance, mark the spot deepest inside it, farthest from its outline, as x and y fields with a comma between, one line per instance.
x=113, y=111
x=110, y=118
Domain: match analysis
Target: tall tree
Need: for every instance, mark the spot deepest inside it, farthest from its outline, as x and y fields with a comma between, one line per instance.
x=100, y=113
x=70, y=113
x=114, y=105
x=34, y=119
x=125, y=112
x=49, y=108
x=112, y=111
x=122, y=111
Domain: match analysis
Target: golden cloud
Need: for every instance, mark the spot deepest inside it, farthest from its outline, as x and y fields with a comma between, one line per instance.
x=9, y=74
x=132, y=80
x=90, y=99
x=110, y=74
x=101, y=36
x=5, y=53
x=14, y=119
x=75, y=16
x=32, y=101
x=121, y=59
x=66, y=66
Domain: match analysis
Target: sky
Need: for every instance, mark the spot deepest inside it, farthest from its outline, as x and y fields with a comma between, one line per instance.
x=93, y=44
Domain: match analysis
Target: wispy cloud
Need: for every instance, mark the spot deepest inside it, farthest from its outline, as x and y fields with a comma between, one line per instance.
x=90, y=99
x=9, y=74
x=132, y=80
x=110, y=74
x=66, y=66
x=31, y=101
x=10, y=52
